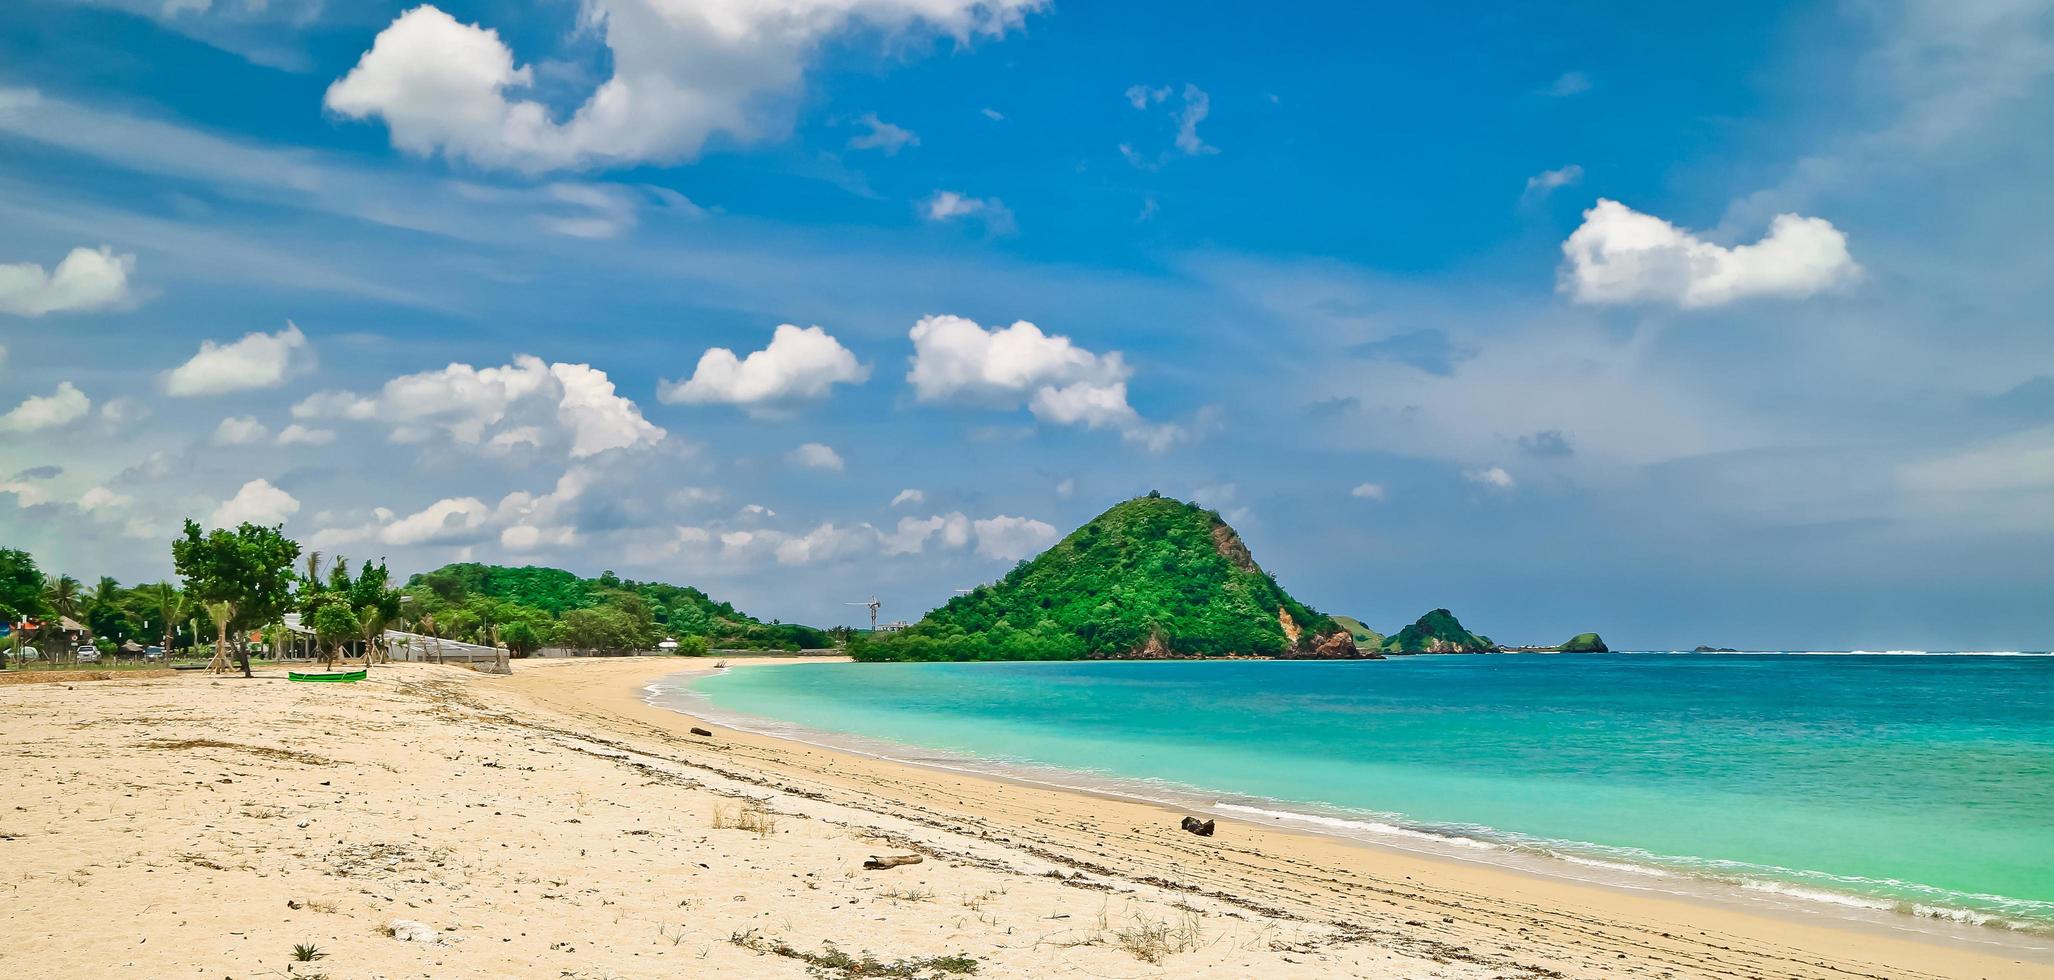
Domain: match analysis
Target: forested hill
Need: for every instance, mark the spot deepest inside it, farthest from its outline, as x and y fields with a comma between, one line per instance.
x=555, y=607
x=1152, y=577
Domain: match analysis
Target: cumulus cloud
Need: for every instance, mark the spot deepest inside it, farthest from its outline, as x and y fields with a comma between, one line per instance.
x=103, y=499
x=299, y=435
x=1493, y=477
x=955, y=359
x=498, y=409
x=258, y=502
x=86, y=279
x=909, y=496
x=1368, y=491
x=800, y=364
x=453, y=519
x=1009, y=538
x=952, y=530
x=258, y=360
x=882, y=136
x=38, y=412
x=1620, y=255
x=817, y=456
x=954, y=206
x=239, y=430
x=682, y=71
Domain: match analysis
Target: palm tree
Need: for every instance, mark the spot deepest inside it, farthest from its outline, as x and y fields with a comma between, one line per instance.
x=314, y=568
x=171, y=605
x=60, y=593
x=222, y=613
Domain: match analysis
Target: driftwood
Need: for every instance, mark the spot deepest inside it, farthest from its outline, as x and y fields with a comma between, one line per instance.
x=702, y=731
x=1201, y=829
x=890, y=861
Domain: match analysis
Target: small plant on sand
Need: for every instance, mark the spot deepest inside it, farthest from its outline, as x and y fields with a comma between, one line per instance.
x=307, y=953
x=1155, y=940
x=748, y=815
x=907, y=895
x=834, y=964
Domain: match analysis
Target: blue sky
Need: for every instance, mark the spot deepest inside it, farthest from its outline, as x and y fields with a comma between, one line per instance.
x=1688, y=329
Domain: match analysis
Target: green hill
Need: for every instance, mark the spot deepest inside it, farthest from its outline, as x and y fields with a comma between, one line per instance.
x=1150, y=578
x=1365, y=638
x=1586, y=643
x=1437, y=632
x=607, y=612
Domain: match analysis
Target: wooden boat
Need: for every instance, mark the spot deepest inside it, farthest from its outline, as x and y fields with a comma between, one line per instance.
x=328, y=677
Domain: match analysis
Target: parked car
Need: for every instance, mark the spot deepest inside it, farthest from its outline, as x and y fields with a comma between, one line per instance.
x=88, y=653
x=153, y=653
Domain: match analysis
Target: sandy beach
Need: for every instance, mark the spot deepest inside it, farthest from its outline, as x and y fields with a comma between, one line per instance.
x=551, y=824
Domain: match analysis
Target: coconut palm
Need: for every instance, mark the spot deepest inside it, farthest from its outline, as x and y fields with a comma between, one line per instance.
x=61, y=595
x=171, y=605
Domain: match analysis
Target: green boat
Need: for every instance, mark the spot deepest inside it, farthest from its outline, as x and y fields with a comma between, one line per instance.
x=328, y=677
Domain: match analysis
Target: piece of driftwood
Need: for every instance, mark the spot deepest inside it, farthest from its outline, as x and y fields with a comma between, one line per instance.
x=890, y=861
x=1201, y=829
x=702, y=731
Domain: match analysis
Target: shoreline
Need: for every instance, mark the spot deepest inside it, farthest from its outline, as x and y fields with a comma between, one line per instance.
x=1905, y=950
x=436, y=822
x=1952, y=926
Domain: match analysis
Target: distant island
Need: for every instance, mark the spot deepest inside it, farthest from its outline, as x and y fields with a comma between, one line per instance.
x=1151, y=578
x=1440, y=632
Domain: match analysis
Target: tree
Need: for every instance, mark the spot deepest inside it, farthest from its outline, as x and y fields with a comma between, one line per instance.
x=21, y=590
x=244, y=575
x=521, y=637
x=171, y=606
x=60, y=597
x=375, y=602
x=334, y=624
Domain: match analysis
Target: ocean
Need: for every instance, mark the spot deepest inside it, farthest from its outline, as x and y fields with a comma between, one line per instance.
x=1909, y=786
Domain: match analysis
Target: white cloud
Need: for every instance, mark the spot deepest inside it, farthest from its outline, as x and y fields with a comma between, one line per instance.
x=1197, y=105
x=527, y=537
x=258, y=360
x=954, y=359
x=800, y=364
x=59, y=408
x=683, y=70
x=757, y=510
x=1141, y=96
x=239, y=430
x=499, y=408
x=951, y=205
x=299, y=435
x=1009, y=538
x=123, y=411
x=1620, y=255
x=1067, y=488
x=1494, y=477
x=909, y=496
x=1370, y=491
x=913, y=533
x=1194, y=106
x=817, y=456
x=101, y=498
x=1547, y=181
x=258, y=502
x=450, y=520
x=86, y=279
x=882, y=136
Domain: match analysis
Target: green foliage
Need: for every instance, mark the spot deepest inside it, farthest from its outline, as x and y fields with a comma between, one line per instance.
x=333, y=623
x=693, y=646
x=21, y=584
x=465, y=597
x=1151, y=574
x=1365, y=638
x=1586, y=643
x=246, y=573
x=1437, y=632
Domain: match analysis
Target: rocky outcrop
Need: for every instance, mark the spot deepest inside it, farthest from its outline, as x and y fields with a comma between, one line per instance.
x=1438, y=632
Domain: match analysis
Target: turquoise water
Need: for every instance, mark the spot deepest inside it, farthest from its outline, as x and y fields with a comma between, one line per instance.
x=1923, y=784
